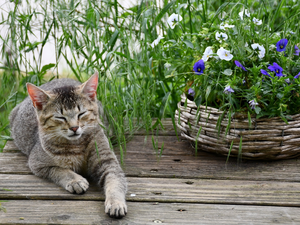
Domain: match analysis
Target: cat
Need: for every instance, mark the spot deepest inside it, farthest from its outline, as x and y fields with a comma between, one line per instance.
x=58, y=127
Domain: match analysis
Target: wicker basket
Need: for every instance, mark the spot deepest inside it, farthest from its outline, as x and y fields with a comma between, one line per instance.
x=265, y=139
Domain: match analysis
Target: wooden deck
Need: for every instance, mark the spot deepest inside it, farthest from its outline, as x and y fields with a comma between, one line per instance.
x=176, y=188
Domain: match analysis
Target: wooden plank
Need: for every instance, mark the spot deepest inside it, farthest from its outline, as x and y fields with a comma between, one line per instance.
x=92, y=212
x=163, y=190
x=178, y=160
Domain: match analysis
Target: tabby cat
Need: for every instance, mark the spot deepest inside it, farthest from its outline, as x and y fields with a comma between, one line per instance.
x=59, y=129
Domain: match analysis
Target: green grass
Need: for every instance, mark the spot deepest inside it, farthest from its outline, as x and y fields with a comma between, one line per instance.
x=134, y=84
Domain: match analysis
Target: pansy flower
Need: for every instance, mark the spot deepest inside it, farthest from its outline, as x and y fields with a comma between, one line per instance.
x=156, y=41
x=228, y=90
x=261, y=50
x=173, y=19
x=297, y=51
x=207, y=54
x=297, y=76
x=224, y=54
x=253, y=103
x=281, y=45
x=241, y=14
x=167, y=65
x=276, y=69
x=221, y=36
x=191, y=92
x=257, y=21
x=226, y=25
x=266, y=73
x=238, y=64
x=199, y=67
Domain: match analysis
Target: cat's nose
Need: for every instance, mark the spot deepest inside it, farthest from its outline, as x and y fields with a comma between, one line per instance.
x=74, y=128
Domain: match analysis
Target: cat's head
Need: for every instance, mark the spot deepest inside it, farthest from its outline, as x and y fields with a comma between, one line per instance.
x=67, y=112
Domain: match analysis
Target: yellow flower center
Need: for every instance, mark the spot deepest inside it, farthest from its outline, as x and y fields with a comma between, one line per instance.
x=199, y=69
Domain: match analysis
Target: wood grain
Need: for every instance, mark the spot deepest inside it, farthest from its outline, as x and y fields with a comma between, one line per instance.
x=178, y=160
x=163, y=190
x=175, y=187
x=143, y=213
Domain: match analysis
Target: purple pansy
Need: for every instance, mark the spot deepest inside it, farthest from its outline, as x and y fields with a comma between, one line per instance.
x=238, y=64
x=281, y=45
x=191, y=92
x=276, y=69
x=297, y=51
x=266, y=73
x=253, y=103
x=228, y=90
x=297, y=76
x=199, y=67
x=287, y=80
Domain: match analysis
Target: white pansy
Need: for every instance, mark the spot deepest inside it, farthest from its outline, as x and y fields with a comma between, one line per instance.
x=224, y=54
x=221, y=36
x=167, y=65
x=173, y=19
x=226, y=25
x=156, y=41
x=260, y=48
x=246, y=12
x=207, y=54
x=257, y=21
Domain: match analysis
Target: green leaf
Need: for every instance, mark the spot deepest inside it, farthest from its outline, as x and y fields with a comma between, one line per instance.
x=164, y=104
x=208, y=90
x=189, y=44
x=47, y=67
x=229, y=152
x=228, y=72
x=4, y=137
x=113, y=39
x=279, y=95
x=249, y=120
x=31, y=46
x=257, y=110
x=240, y=148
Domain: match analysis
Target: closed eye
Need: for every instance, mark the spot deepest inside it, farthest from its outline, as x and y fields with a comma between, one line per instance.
x=61, y=118
x=81, y=114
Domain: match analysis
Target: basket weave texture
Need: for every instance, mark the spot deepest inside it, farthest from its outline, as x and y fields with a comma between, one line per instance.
x=264, y=139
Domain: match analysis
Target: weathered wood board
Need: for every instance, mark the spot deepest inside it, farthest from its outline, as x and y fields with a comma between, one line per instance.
x=163, y=190
x=142, y=213
x=178, y=160
x=174, y=187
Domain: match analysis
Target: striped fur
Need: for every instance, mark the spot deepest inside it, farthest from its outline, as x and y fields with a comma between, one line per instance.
x=58, y=128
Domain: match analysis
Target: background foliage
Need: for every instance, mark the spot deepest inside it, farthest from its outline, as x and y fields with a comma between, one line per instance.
x=135, y=85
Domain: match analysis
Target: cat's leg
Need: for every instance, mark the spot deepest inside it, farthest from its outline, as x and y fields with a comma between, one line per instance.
x=106, y=170
x=42, y=166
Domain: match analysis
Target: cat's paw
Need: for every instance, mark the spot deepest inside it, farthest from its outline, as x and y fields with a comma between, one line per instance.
x=115, y=208
x=77, y=186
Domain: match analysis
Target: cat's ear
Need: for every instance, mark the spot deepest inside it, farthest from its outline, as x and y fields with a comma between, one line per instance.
x=90, y=86
x=38, y=96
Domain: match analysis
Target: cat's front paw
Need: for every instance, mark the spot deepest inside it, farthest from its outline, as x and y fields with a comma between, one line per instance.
x=115, y=208
x=77, y=186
